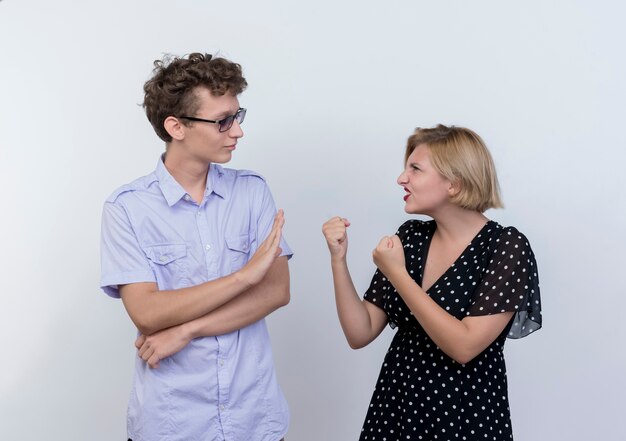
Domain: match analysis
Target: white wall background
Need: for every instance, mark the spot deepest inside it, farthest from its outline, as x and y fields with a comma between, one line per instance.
x=335, y=89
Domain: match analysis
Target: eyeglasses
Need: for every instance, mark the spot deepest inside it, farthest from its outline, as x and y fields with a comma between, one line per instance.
x=223, y=124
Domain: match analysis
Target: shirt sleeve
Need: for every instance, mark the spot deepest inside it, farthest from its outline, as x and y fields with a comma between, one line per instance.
x=380, y=287
x=510, y=284
x=122, y=259
x=266, y=211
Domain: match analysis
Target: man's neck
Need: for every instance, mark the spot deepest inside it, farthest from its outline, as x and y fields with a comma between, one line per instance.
x=190, y=174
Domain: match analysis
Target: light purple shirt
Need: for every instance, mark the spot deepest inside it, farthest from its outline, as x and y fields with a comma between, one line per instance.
x=220, y=388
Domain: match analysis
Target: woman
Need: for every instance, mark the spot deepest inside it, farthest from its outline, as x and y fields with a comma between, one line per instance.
x=455, y=287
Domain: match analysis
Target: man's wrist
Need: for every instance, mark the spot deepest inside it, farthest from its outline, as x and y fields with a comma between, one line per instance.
x=241, y=280
x=190, y=330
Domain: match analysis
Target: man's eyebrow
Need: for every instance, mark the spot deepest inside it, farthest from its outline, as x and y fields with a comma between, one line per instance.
x=226, y=114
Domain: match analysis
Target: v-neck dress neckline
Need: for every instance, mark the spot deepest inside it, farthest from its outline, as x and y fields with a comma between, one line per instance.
x=426, y=251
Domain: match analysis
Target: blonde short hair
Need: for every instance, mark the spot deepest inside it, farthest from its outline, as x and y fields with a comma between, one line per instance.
x=461, y=156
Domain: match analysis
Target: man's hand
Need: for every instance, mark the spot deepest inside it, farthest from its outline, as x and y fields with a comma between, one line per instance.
x=389, y=257
x=154, y=348
x=265, y=255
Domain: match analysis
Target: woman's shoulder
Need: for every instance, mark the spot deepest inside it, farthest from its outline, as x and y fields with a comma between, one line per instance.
x=415, y=227
x=509, y=237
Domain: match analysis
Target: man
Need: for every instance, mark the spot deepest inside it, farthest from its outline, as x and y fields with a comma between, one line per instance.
x=195, y=252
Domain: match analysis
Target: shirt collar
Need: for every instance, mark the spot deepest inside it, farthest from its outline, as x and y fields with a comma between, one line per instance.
x=215, y=181
x=173, y=191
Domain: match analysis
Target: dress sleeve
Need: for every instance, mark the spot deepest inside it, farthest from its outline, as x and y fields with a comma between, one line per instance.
x=510, y=284
x=380, y=287
x=378, y=290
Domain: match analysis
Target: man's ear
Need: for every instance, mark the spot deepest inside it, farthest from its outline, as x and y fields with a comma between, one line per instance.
x=175, y=129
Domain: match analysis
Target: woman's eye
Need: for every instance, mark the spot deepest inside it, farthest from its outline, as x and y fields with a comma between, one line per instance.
x=415, y=167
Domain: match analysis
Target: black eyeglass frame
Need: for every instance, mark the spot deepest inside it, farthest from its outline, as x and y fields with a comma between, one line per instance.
x=224, y=124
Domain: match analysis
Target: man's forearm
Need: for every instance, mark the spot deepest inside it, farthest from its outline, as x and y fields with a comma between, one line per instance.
x=247, y=308
x=250, y=306
x=153, y=310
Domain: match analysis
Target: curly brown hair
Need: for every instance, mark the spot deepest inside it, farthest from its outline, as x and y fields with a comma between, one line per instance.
x=170, y=91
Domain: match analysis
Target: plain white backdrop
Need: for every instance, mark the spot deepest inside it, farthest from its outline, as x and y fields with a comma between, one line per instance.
x=336, y=87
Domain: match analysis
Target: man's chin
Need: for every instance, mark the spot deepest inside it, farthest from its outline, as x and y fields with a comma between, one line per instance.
x=222, y=159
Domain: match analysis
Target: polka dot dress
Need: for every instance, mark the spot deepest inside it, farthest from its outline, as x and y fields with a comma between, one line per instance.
x=421, y=393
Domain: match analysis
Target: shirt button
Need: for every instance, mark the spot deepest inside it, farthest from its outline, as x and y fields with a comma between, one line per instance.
x=199, y=213
x=222, y=407
x=221, y=362
x=163, y=258
x=187, y=198
x=207, y=247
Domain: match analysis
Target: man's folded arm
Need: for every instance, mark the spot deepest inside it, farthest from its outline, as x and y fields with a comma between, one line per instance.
x=251, y=306
x=152, y=310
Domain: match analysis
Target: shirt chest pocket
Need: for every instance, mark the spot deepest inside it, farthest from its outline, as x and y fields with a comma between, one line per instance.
x=169, y=264
x=237, y=250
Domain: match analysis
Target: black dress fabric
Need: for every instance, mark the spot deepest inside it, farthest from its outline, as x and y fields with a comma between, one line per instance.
x=422, y=393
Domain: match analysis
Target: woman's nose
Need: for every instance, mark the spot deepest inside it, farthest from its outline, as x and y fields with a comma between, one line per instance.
x=402, y=179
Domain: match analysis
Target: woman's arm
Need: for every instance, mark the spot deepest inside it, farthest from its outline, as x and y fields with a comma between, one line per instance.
x=360, y=320
x=462, y=340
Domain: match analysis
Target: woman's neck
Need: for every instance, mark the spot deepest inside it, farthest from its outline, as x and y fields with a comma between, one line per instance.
x=459, y=225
